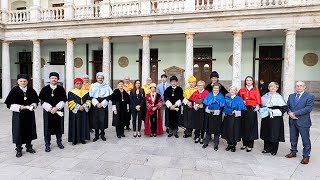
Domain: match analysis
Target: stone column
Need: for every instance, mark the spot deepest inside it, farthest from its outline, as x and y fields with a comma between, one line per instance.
x=189, y=56
x=70, y=64
x=145, y=57
x=35, y=10
x=6, y=71
x=289, y=63
x=106, y=59
x=36, y=66
x=105, y=8
x=68, y=9
x=4, y=9
x=236, y=63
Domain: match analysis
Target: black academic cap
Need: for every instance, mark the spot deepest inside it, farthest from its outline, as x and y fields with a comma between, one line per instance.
x=173, y=78
x=214, y=74
x=23, y=76
x=54, y=74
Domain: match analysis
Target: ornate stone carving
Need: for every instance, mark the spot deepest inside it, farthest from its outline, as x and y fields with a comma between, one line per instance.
x=123, y=61
x=78, y=62
x=176, y=71
x=310, y=59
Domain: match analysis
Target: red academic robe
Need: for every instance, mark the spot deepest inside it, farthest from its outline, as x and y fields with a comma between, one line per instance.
x=251, y=98
x=157, y=102
x=197, y=95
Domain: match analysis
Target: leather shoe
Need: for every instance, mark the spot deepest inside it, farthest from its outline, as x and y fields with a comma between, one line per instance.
x=233, y=149
x=201, y=141
x=305, y=160
x=249, y=149
x=291, y=155
x=47, y=149
x=273, y=153
x=197, y=140
x=31, y=150
x=95, y=139
x=205, y=146
x=265, y=151
x=19, y=154
x=176, y=136
x=103, y=138
x=228, y=148
x=123, y=135
x=243, y=147
x=83, y=142
x=60, y=146
x=170, y=135
x=216, y=147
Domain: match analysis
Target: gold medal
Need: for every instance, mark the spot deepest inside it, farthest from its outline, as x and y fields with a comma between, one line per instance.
x=52, y=94
x=122, y=99
x=25, y=98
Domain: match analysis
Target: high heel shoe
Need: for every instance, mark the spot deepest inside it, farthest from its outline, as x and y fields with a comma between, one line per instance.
x=197, y=140
x=139, y=134
x=201, y=141
x=135, y=134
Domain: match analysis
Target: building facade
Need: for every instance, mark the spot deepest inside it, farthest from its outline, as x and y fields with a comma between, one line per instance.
x=273, y=40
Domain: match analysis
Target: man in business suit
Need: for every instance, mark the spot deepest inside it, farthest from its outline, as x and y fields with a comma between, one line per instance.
x=161, y=87
x=300, y=104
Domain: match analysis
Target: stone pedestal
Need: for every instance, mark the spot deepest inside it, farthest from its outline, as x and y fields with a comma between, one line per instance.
x=68, y=9
x=6, y=71
x=105, y=9
x=36, y=66
x=4, y=10
x=236, y=64
x=145, y=7
x=106, y=59
x=189, y=56
x=145, y=58
x=70, y=64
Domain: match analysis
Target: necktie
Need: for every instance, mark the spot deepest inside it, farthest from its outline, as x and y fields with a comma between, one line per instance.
x=297, y=99
x=164, y=87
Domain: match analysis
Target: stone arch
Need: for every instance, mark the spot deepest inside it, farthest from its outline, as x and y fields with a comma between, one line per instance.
x=15, y=4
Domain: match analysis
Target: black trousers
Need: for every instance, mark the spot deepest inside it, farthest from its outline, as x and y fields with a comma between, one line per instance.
x=188, y=131
x=47, y=139
x=232, y=143
x=19, y=146
x=271, y=147
x=119, y=130
x=248, y=143
x=99, y=132
x=153, y=122
x=199, y=134
x=136, y=113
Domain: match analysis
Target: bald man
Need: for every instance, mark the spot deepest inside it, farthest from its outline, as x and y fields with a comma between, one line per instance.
x=146, y=87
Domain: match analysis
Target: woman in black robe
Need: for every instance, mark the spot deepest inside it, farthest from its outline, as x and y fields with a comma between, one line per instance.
x=272, y=126
x=120, y=108
x=79, y=104
x=22, y=100
x=137, y=106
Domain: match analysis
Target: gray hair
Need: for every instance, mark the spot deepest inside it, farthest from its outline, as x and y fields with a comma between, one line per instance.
x=273, y=84
x=85, y=76
x=100, y=74
x=233, y=87
x=304, y=84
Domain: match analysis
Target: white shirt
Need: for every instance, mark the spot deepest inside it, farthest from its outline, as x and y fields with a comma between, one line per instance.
x=23, y=89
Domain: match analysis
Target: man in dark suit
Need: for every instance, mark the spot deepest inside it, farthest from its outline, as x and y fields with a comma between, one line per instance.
x=300, y=104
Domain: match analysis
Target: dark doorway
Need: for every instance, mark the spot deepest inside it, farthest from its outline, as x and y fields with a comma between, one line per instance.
x=25, y=63
x=270, y=64
x=97, y=62
x=202, y=63
x=58, y=58
x=153, y=65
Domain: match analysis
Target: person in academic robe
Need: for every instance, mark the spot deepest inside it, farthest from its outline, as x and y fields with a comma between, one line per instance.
x=100, y=94
x=53, y=99
x=137, y=106
x=249, y=122
x=22, y=100
x=161, y=87
x=153, y=122
x=86, y=86
x=198, y=111
x=214, y=77
x=128, y=86
x=272, y=126
x=79, y=104
x=173, y=97
x=233, y=107
x=187, y=107
x=263, y=87
x=120, y=108
x=214, y=102
x=146, y=87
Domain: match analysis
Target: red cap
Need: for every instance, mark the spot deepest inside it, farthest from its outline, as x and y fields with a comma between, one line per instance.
x=77, y=80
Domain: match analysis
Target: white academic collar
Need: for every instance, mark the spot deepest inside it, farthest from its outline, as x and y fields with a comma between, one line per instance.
x=201, y=91
x=23, y=89
x=249, y=88
x=53, y=87
x=174, y=87
x=300, y=93
x=233, y=96
x=214, y=94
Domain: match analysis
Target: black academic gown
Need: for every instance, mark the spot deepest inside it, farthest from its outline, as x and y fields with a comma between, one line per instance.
x=53, y=123
x=223, y=90
x=79, y=129
x=272, y=129
x=121, y=101
x=23, y=122
x=173, y=95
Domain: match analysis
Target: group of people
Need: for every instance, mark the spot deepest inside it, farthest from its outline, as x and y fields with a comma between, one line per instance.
x=199, y=108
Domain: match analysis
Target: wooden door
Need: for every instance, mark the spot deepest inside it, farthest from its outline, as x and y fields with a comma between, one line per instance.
x=153, y=65
x=202, y=70
x=97, y=62
x=25, y=62
x=270, y=64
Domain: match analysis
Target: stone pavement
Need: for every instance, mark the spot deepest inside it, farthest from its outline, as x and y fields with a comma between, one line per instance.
x=151, y=158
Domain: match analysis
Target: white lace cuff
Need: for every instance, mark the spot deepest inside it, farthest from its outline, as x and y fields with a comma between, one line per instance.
x=94, y=102
x=76, y=108
x=15, y=107
x=46, y=106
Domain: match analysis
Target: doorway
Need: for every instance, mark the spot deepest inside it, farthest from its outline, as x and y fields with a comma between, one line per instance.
x=202, y=63
x=153, y=65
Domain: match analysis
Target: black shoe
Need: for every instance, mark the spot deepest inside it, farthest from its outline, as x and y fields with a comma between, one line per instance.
x=273, y=153
x=119, y=137
x=31, y=150
x=228, y=148
x=205, y=146
x=123, y=135
x=265, y=151
x=47, y=149
x=201, y=141
x=74, y=143
x=139, y=134
x=60, y=145
x=83, y=142
x=154, y=135
x=233, y=149
x=129, y=129
x=176, y=136
x=103, y=138
x=95, y=139
x=186, y=136
x=216, y=147
x=197, y=140
x=151, y=135
x=249, y=149
x=19, y=154
x=170, y=135
x=243, y=147
x=167, y=130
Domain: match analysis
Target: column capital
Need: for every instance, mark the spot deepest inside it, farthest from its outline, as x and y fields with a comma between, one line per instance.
x=7, y=42
x=106, y=37
x=146, y=36
x=36, y=40
x=291, y=30
x=237, y=32
x=190, y=33
x=70, y=39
